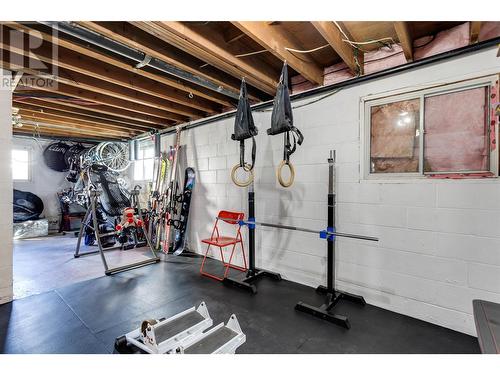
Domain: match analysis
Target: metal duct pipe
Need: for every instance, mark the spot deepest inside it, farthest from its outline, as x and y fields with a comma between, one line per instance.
x=99, y=40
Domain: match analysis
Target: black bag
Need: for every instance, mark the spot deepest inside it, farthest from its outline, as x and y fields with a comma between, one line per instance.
x=53, y=155
x=282, y=116
x=244, y=126
x=27, y=206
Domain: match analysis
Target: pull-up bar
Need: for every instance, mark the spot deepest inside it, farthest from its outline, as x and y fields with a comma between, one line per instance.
x=327, y=234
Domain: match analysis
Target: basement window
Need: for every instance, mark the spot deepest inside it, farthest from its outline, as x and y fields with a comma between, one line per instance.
x=443, y=131
x=21, y=164
x=144, y=165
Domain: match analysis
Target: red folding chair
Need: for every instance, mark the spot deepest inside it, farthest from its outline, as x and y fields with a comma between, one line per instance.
x=221, y=242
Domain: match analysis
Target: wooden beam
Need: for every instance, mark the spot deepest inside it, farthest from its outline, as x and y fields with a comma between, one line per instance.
x=405, y=38
x=63, y=125
x=154, y=84
x=87, y=112
x=48, y=130
x=143, y=41
x=108, y=111
x=188, y=40
x=74, y=118
x=95, y=76
x=475, y=28
x=330, y=32
x=59, y=85
x=276, y=40
x=72, y=125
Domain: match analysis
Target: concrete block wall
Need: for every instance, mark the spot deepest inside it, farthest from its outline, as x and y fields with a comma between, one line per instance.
x=44, y=181
x=439, y=239
x=5, y=193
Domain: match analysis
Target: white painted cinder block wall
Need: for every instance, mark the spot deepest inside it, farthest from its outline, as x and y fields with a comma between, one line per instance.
x=44, y=181
x=439, y=240
x=5, y=193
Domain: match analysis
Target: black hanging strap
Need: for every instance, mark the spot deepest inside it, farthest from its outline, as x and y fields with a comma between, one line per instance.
x=244, y=126
x=282, y=117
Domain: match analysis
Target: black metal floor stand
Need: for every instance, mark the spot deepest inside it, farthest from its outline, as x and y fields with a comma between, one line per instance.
x=333, y=296
x=253, y=273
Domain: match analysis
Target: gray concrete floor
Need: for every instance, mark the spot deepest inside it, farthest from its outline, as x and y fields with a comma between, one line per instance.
x=46, y=263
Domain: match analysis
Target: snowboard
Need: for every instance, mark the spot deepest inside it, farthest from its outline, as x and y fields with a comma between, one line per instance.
x=180, y=225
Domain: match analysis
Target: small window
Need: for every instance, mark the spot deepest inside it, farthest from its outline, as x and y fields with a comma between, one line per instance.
x=144, y=165
x=394, y=137
x=21, y=164
x=439, y=131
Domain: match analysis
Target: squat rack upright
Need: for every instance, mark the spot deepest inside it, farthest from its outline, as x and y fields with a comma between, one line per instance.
x=332, y=295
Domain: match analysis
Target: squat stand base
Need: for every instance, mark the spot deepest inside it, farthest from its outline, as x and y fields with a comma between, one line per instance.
x=252, y=275
x=325, y=311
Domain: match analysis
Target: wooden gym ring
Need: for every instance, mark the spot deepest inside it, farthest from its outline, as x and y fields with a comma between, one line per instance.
x=247, y=168
x=292, y=174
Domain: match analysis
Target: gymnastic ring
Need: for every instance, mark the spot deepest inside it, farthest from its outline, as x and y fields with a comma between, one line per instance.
x=292, y=174
x=247, y=168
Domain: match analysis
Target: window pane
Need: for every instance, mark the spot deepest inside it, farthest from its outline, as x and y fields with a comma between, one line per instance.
x=149, y=152
x=20, y=165
x=456, y=132
x=138, y=169
x=20, y=155
x=394, y=137
x=148, y=169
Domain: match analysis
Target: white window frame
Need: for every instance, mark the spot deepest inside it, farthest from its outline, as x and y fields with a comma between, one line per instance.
x=144, y=178
x=374, y=100
x=30, y=162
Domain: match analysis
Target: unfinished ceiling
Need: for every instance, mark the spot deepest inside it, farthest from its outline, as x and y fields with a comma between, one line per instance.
x=116, y=80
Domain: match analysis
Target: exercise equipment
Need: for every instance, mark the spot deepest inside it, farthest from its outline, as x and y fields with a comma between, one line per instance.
x=253, y=273
x=282, y=122
x=183, y=333
x=104, y=196
x=333, y=296
x=217, y=240
x=244, y=128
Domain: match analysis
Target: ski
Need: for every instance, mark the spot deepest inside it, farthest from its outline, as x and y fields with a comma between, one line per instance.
x=170, y=200
x=180, y=225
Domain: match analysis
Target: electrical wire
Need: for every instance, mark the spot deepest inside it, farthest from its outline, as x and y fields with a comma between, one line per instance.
x=305, y=104
x=307, y=51
x=251, y=53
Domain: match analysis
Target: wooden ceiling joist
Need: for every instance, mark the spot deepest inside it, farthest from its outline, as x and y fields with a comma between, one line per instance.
x=63, y=107
x=404, y=36
x=97, y=77
x=184, y=38
x=155, y=115
x=54, y=130
x=475, y=28
x=276, y=41
x=330, y=32
x=109, y=111
x=73, y=118
x=75, y=125
x=154, y=84
x=140, y=40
